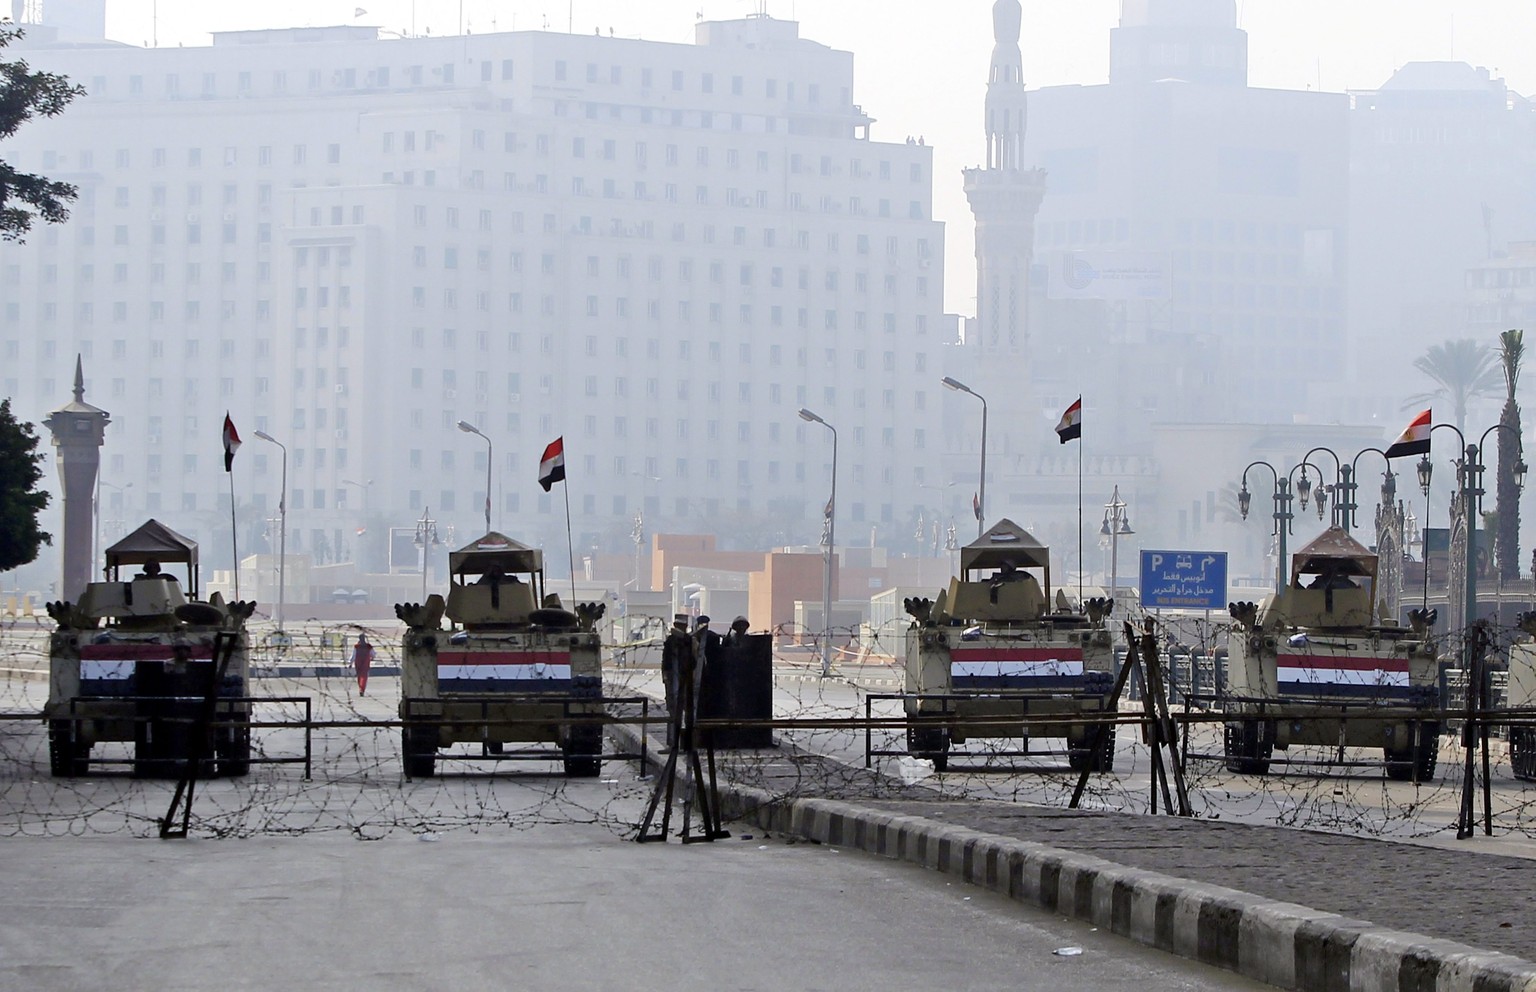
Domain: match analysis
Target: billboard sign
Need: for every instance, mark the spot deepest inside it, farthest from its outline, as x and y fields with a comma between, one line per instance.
x=1184, y=580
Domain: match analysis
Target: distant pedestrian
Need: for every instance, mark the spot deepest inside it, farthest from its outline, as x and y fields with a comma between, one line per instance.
x=362, y=660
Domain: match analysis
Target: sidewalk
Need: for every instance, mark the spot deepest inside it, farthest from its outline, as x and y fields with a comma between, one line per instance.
x=1296, y=909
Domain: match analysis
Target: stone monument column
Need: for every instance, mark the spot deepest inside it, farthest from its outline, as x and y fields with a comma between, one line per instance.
x=78, y=432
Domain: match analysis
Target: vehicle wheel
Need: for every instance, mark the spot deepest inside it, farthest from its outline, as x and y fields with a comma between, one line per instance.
x=67, y=758
x=1522, y=752
x=1248, y=746
x=583, y=752
x=930, y=744
x=418, y=752
x=1416, y=763
x=1081, y=757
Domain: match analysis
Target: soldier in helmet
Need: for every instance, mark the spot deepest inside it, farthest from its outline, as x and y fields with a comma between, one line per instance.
x=738, y=632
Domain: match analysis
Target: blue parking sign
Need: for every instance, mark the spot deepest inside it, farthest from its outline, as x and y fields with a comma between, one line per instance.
x=1184, y=580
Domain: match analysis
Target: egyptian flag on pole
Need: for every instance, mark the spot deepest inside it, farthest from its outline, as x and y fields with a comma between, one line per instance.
x=552, y=465
x=1414, y=440
x=231, y=442
x=976, y=504
x=1070, y=428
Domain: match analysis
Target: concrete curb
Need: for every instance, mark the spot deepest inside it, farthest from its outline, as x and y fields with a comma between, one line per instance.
x=1278, y=943
x=1281, y=944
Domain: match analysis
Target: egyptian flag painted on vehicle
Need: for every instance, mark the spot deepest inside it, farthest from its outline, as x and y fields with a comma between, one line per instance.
x=1414, y=440
x=231, y=442
x=552, y=465
x=1071, y=426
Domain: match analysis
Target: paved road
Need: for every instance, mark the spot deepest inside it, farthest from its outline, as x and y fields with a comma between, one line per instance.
x=555, y=908
x=1212, y=889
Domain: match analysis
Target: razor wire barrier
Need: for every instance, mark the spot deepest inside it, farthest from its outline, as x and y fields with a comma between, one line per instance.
x=307, y=691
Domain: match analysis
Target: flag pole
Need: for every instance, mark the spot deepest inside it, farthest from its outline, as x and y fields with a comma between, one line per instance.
x=234, y=535
x=569, y=544
x=1081, y=565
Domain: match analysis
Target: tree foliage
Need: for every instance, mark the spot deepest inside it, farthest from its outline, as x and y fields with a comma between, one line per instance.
x=25, y=95
x=1507, y=544
x=20, y=499
x=1462, y=371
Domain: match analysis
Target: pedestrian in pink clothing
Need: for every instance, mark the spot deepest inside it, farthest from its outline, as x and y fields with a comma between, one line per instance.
x=362, y=659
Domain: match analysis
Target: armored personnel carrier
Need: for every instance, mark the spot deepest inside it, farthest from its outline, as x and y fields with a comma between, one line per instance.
x=1313, y=664
x=1522, y=696
x=513, y=667
x=989, y=657
x=134, y=660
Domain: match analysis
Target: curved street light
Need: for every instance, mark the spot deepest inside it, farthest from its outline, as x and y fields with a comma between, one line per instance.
x=469, y=428
x=981, y=493
x=1469, y=476
x=1116, y=522
x=1281, y=513
x=282, y=541
x=826, y=569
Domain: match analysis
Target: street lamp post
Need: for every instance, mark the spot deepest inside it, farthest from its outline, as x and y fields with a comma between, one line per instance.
x=1342, y=490
x=282, y=527
x=426, y=537
x=469, y=428
x=831, y=546
x=1116, y=522
x=1282, y=514
x=981, y=492
x=1469, y=476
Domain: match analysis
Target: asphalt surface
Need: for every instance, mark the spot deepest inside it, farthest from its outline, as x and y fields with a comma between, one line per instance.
x=554, y=908
x=1314, y=910
x=1357, y=912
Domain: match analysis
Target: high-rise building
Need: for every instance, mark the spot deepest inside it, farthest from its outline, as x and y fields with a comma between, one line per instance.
x=1236, y=196
x=1443, y=180
x=658, y=251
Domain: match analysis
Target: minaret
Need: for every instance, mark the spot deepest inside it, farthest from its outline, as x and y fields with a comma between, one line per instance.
x=1005, y=198
x=78, y=432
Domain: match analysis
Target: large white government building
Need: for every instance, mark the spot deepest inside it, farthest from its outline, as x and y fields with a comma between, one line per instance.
x=353, y=242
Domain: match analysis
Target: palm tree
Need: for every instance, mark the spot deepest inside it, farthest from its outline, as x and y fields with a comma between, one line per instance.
x=1462, y=370
x=1511, y=351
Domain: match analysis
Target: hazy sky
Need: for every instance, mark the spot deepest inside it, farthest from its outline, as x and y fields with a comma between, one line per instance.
x=921, y=64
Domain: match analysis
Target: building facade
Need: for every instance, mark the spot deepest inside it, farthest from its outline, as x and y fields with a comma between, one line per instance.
x=658, y=251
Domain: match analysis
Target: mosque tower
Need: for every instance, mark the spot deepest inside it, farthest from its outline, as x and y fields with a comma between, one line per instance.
x=1005, y=198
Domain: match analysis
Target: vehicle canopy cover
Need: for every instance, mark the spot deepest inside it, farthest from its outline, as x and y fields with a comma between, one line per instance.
x=153, y=540
x=1334, y=552
x=495, y=553
x=1004, y=543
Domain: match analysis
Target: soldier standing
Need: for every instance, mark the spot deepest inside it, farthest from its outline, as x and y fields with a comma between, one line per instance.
x=676, y=659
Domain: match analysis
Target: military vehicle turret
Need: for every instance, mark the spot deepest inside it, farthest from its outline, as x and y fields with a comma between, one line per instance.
x=994, y=653
x=132, y=660
x=1313, y=664
x=513, y=667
